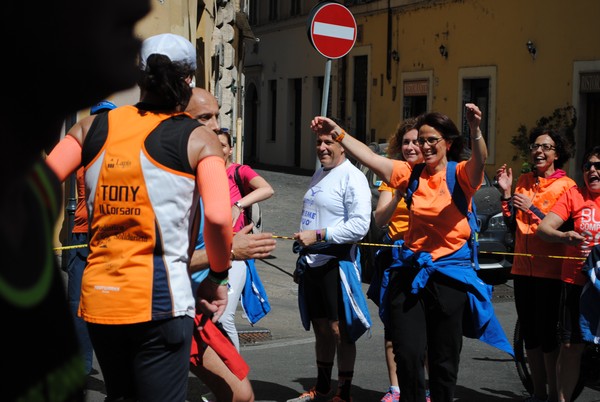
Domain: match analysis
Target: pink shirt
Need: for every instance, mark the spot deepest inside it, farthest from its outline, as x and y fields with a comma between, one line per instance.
x=246, y=174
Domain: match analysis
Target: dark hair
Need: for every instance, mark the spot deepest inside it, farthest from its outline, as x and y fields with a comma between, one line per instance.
x=166, y=80
x=394, y=149
x=227, y=135
x=562, y=146
x=448, y=129
x=595, y=151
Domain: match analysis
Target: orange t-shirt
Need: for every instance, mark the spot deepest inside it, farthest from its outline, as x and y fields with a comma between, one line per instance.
x=398, y=224
x=436, y=224
x=543, y=192
x=584, y=208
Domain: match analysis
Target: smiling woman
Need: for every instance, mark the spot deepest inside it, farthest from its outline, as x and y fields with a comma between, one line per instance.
x=536, y=278
x=433, y=250
x=581, y=206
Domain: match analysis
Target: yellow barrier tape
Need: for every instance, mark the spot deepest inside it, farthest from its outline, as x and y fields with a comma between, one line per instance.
x=387, y=245
x=480, y=251
x=69, y=247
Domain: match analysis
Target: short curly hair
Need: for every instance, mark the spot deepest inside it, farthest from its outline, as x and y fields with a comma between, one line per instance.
x=562, y=146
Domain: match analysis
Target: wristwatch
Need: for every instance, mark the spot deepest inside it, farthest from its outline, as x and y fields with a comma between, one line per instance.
x=239, y=205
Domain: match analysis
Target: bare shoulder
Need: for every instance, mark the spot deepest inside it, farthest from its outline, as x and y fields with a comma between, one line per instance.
x=203, y=142
x=81, y=128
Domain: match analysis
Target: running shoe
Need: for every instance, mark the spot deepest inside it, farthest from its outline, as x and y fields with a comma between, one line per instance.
x=310, y=396
x=391, y=396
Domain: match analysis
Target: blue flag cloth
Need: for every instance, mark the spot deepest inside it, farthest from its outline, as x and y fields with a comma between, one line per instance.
x=255, y=301
x=482, y=322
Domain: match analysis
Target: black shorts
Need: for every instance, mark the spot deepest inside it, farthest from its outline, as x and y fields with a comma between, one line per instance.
x=569, y=330
x=322, y=291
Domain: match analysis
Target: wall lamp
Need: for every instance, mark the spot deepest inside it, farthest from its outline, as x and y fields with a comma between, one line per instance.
x=444, y=51
x=395, y=56
x=531, y=49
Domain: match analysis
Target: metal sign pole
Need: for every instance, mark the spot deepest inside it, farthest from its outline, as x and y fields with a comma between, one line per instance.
x=325, y=98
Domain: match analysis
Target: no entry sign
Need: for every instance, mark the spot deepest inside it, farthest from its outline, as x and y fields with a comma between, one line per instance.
x=332, y=29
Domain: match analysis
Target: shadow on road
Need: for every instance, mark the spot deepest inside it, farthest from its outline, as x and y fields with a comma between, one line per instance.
x=264, y=391
x=463, y=394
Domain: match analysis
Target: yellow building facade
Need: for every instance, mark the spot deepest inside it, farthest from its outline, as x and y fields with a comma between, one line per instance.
x=416, y=56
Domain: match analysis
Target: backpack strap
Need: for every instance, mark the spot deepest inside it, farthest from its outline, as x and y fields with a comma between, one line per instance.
x=238, y=180
x=413, y=183
x=458, y=197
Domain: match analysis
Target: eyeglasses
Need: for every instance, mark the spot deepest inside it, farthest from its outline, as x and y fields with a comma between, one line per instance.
x=588, y=166
x=431, y=141
x=408, y=142
x=545, y=147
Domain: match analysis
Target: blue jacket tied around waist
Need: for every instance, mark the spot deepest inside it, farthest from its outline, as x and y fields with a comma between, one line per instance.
x=356, y=312
x=482, y=322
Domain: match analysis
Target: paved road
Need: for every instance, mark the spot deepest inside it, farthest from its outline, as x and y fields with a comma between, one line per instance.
x=281, y=353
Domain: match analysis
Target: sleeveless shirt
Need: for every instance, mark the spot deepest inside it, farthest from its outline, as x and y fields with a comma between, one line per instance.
x=143, y=202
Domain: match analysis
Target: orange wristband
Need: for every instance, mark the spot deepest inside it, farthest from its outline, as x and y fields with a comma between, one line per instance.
x=340, y=137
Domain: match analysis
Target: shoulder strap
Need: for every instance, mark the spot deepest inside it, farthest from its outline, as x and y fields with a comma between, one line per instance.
x=238, y=180
x=413, y=183
x=458, y=197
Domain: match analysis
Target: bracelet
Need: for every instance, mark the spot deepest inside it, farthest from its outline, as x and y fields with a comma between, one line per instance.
x=239, y=205
x=219, y=275
x=319, y=238
x=214, y=277
x=480, y=136
x=340, y=137
x=232, y=257
x=505, y=199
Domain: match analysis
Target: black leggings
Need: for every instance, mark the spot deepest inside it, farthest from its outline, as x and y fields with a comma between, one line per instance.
x=537, y=301
x=426, y=325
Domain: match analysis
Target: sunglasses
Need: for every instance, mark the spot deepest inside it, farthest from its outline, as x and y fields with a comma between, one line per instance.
x=588, y=166
x=431, y=141
x=545, y=147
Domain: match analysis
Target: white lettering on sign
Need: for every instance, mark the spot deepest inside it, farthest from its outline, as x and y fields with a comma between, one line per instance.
x=334, y=31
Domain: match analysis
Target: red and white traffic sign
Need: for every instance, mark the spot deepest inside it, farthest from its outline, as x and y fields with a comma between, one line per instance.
x=332, y=29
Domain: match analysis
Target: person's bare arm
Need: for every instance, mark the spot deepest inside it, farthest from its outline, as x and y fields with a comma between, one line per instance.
x=245, y=246
x=476, y=162
x=386, y=205
x=548, y=231
x=261, y=190
x=381, y=165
